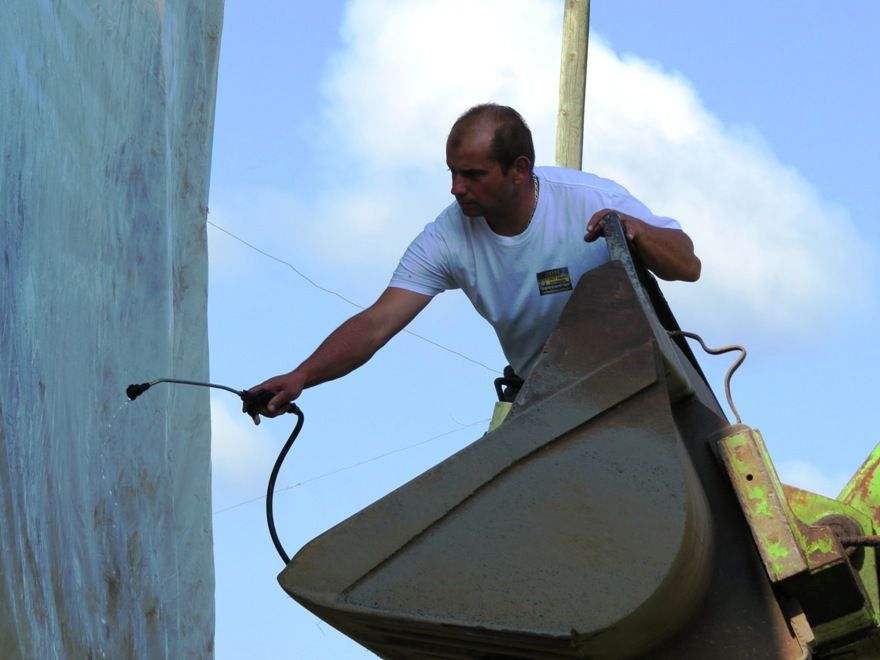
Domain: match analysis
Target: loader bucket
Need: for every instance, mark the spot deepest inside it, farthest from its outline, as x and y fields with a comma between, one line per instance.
x=594, y=522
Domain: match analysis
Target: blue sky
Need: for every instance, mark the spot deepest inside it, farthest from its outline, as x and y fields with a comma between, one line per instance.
x=754, y=124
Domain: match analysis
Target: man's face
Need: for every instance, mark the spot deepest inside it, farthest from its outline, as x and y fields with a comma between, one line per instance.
x=478, y=184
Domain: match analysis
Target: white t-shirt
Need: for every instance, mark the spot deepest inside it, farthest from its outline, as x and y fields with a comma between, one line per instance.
x=520, y=283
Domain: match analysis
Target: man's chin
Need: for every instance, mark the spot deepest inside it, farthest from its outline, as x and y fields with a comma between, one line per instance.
x=471, y=210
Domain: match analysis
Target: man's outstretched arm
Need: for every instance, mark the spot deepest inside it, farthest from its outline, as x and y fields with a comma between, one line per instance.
x=668, y=253
x=347, y=347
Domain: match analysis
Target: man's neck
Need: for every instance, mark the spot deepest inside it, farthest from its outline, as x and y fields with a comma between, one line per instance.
x=516, y=220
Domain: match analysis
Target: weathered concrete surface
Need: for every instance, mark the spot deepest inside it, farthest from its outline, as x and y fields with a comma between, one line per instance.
x=105, y=141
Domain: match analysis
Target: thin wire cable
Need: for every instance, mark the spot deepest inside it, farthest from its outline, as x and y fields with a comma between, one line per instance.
x=719, y=351
x=351, y=467
x=343, y=298
x=286, y=263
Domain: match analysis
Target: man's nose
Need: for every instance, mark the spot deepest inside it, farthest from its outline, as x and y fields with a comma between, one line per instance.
x=458, y=187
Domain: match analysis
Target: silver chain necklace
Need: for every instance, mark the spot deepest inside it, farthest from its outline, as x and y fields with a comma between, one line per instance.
x=537, y=192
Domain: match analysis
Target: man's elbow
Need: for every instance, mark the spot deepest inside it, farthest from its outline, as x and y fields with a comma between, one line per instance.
x=689, y=265
x=681, y=271
x=693, y=269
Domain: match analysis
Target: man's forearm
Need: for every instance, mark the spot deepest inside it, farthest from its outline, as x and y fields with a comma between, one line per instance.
x=347, y=347
x=668, y=253
x=343, y=351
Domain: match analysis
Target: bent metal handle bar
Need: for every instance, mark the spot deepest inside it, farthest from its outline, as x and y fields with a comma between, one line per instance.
x=646, y=287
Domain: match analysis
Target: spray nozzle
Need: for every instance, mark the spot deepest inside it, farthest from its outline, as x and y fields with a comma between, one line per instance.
x=134, y=391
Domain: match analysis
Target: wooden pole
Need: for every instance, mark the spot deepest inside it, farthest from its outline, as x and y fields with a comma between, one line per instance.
x=572, y=84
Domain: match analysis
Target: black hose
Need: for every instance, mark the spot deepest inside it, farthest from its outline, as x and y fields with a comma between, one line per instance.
x=270, y=491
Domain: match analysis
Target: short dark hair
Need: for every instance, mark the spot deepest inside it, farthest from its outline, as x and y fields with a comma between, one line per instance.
x=512, y=137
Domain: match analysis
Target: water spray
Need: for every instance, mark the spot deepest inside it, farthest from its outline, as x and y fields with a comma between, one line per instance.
x=253, y=404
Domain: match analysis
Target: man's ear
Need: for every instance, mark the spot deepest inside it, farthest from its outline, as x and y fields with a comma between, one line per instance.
x=522, y=169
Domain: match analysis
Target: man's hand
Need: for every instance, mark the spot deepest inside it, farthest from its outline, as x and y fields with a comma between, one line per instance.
x=286, y=388
x=632, y=227
x=668, y=253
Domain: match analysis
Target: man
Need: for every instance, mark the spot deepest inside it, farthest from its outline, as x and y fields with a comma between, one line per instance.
x=513, y=241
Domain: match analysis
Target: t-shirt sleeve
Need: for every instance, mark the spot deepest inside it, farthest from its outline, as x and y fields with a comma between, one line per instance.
x=631, y=206
x=626, y=203
x=424, y=267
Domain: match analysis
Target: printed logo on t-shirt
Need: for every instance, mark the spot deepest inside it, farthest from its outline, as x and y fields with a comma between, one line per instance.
x=554, y=281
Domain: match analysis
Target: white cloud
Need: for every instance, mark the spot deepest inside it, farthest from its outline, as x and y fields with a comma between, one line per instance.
x=238, y=452
x=408, y=69
x=806, y=476
x=774, y=251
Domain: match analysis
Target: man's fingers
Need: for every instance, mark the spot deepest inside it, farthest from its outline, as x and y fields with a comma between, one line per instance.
x=279, y=402
x=275, y=395
x=594, y=231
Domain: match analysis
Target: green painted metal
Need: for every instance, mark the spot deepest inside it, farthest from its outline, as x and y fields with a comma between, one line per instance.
x=499, y=414
x=763, y=502
x=863, y=490
x=794, y=531
x=811, y=509
x=843, y=627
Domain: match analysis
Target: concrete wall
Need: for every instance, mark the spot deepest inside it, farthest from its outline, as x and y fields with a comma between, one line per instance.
x=107, y=115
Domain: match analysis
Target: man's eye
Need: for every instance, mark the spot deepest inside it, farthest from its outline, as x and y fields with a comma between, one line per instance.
x=472, y=175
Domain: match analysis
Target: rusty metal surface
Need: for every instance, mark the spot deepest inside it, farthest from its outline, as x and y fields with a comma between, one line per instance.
x=847, y=523
x=778, y=538
x=741, y=617
x=803, y=554
x=863, y=490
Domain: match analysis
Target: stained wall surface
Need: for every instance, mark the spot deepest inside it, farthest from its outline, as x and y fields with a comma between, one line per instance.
x=107, y=115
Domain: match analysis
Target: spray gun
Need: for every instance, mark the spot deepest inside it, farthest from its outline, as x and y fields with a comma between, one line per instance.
x=253, y=402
